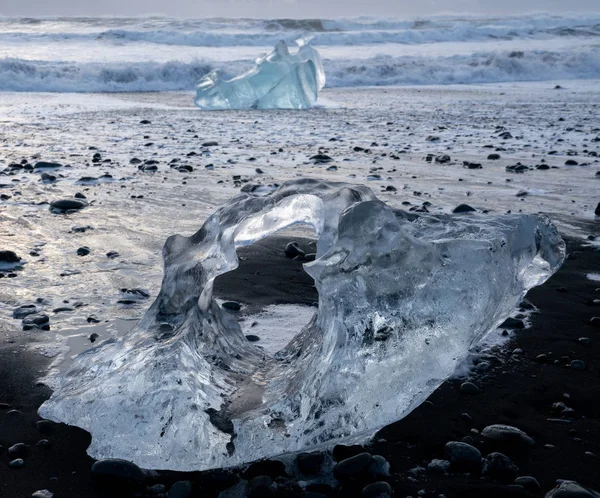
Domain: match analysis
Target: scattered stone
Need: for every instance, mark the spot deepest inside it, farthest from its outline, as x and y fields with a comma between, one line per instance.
x=293, y=249
x=67, y=205
x=438, y=466
x=18, y=450
x=469, y=388
x=571, y=489
x=506, y=434
x=17, y=463
x=463, y=208
x=113, y=474
x=83, y=251
x=24, y=310
x=231, y=306
x=499, y=466
x=528, y=482
x=210, y=143
x=309, y=463
x=493, y=157
x=443, y=159
x=42, y=493
x=578, y=365
x=463, y=456
x=597, y=210
x=9, y=257
x=93, y=337
x=42, y=165
x=252, y=338
x=377, y=490
x=571, y=162
x=512, y=324
x=112, y=254
x=145, y=122
x=321, y=159
x=40, y=321
x=517, y=168
x=181, y=489
x=352, y=467
x=470, y=165
x=379, y=467
x=45, y=426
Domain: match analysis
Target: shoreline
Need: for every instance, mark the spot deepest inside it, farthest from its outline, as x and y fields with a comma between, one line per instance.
x=516, y=390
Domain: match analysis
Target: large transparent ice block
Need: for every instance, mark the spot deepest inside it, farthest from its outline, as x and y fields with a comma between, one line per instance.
x=402, y=299
x=279, y=80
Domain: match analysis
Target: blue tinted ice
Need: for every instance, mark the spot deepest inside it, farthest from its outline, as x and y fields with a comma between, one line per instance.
x=402, y=299
x=279, y=80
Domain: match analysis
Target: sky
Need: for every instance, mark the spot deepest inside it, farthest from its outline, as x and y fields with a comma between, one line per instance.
x=289, y=8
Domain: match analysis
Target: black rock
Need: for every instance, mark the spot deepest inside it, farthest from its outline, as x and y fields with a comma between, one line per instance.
x=512, y=323
x=45, y=426
x=578, y=365
x=24, y=310
x=231, y=306
x=112, y=254
x=517, y=168
x=145, y=122
x=66, y=205
x=463, y=208
x=571, y=489
x=506, y=434
x=211, y=143
x=135, y=160
x=542, y=167
x=181, y=489
x=499, y=466
x=48, y=178
x=271, y=468
x=597, y=210
x=321, y=159
x=463, y=456
x=470, y=165
x=83, y=251
x=40, y=321
x=310, y=463
x=377, y=489
x=41, y=165
x=494, y=157
x=79, y=195
x=118, y=476
x=93, y=337
x=529, y=483
x=469, y=388
x=353, y=467
x=571, y=162
x=17, y=463
x=18, y=450
x=260, y=487
x=9, y=257
x=443, y=159
x=293, y=249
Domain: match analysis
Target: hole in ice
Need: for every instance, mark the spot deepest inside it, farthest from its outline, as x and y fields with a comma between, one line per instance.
x=278, y=297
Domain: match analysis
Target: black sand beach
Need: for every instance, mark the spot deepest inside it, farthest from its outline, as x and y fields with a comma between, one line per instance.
x=517, y=387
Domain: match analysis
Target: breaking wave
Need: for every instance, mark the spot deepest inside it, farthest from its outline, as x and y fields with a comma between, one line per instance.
x=41, y=76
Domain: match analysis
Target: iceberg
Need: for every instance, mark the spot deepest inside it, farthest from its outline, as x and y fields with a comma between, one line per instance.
x=279, y=80
x=402, y=299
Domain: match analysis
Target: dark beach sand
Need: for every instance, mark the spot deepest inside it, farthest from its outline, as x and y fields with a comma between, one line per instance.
x=517, y=391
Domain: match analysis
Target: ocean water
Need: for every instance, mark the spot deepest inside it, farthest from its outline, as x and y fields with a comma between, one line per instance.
x=162, y=54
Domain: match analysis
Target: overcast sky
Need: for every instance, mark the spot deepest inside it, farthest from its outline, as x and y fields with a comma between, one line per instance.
x=289, y=8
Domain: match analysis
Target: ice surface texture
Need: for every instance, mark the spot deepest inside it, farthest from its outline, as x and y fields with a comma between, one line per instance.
x=402, y=298
x=279, y=80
